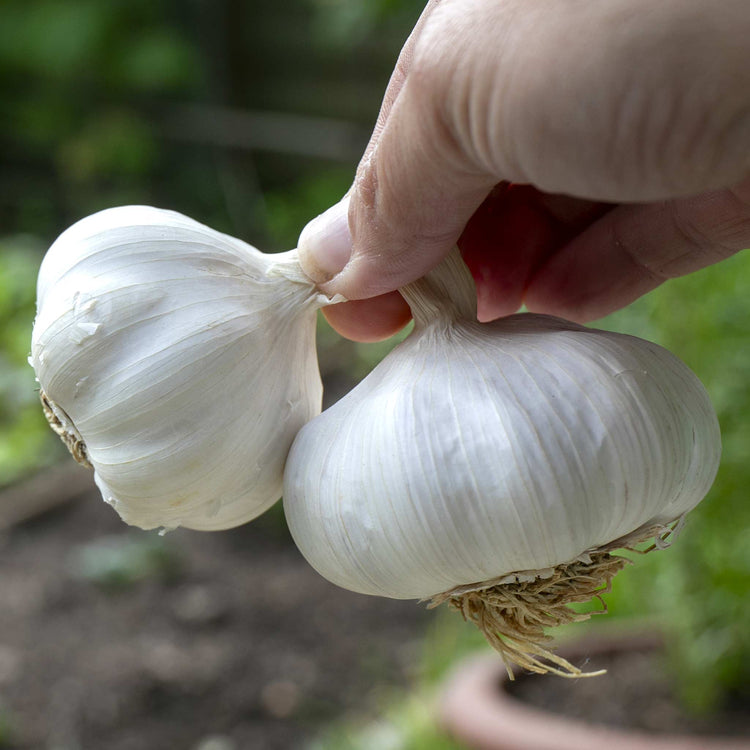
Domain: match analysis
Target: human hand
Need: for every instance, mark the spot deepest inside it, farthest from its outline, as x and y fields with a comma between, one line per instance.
x=580, y=153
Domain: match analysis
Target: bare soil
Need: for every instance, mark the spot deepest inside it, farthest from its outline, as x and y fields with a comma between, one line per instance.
x=117, y=639
x=194, y=640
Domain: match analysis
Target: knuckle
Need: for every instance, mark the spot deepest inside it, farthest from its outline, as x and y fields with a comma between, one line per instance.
x=716, y=228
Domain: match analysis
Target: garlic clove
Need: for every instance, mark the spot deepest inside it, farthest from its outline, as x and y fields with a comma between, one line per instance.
x=486, y=464
x=178, y=362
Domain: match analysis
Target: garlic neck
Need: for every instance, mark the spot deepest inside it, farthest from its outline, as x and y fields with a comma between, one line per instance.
x=286, y=265
x=447, y=291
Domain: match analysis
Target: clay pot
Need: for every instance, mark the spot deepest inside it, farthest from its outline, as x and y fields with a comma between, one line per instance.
x=477, y=709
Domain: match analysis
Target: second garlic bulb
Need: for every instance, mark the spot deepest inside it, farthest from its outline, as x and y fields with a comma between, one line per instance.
x=178, y=362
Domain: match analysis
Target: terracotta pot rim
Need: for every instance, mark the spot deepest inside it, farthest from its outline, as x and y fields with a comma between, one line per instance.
x=473, y=709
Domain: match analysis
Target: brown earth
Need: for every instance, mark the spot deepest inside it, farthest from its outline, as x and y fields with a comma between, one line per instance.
x=116, y=639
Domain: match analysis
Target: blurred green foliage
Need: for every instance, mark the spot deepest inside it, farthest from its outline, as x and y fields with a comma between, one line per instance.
x=93, y=106
x=8, y=728
x=25, y=438
x=119, y=562
x=700, y=587
x=290, y=208
x=407, y=723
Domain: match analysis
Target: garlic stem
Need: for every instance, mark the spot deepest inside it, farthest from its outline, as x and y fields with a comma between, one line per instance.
x=286, y=265
x=447, y=291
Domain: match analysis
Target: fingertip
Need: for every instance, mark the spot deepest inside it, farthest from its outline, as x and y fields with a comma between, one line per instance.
x=490, y=307
x=325, y=244
x=369, y=320
x=572, y=312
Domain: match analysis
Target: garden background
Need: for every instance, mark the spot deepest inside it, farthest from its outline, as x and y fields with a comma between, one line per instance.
x=250, y=117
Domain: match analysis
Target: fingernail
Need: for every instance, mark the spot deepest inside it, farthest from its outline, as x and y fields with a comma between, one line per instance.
x=325, y=244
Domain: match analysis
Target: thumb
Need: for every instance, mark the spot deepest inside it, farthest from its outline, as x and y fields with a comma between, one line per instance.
x=413, y=194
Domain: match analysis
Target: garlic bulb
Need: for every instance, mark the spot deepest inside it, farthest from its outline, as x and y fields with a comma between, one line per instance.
x=496, y=465
x=178, y=362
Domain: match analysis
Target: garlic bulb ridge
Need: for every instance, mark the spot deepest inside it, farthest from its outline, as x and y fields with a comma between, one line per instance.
x=178, y=361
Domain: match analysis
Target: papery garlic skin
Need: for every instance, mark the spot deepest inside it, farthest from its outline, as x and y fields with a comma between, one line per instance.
x=474, y=451
x=183, y=358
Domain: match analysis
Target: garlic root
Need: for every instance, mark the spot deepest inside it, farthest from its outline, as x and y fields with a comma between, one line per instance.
x=512, y=615
x=65, y=432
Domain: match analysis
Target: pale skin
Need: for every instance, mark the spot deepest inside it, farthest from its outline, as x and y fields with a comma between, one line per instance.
x=580, y=152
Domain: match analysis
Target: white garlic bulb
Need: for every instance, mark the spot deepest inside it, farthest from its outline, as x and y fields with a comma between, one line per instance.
x=481, y=457
x=178, y=362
